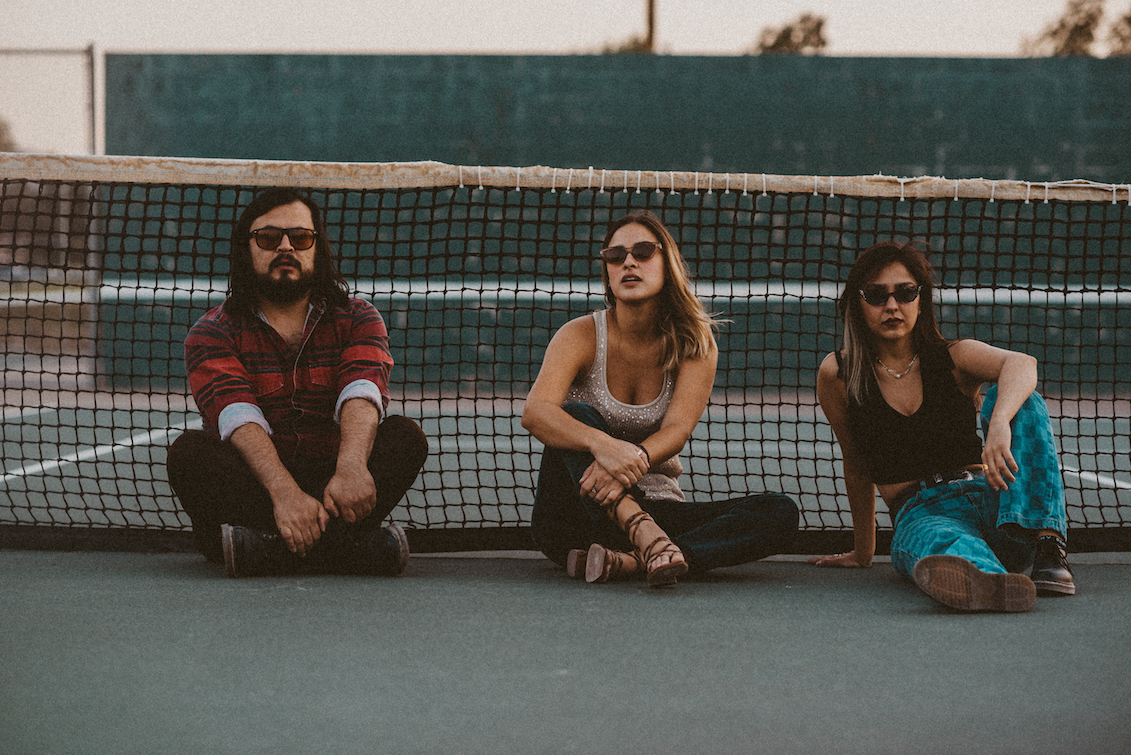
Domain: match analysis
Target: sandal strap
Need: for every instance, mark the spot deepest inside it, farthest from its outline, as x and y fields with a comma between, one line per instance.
x=618, y=562
x=633, y=524
x=661, y=546
x=610, y=509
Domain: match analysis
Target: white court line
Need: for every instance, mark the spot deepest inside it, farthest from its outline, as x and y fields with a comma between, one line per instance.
x=1106, y=481
x=97, y=452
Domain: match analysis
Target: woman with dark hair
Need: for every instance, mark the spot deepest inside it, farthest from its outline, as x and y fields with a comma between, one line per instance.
x=903, y=402
x=616, y=399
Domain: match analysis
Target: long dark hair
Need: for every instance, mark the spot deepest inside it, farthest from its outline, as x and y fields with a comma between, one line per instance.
x=686, y=328
x=859, y=344
x=328, y=282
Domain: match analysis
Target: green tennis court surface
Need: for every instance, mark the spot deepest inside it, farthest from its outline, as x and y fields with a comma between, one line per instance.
x=130, y=653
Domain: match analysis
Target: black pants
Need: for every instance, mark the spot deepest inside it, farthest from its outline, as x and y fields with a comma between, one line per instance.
x=711, y=535
x=216, y=486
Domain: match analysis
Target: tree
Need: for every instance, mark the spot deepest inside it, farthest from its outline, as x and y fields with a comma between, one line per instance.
x=631, y=46
x=1073, y=34
x=1119, y=36
x=804, y=35
x=7, y=141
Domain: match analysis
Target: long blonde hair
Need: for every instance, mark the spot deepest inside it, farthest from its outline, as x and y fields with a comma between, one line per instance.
x=686, y=328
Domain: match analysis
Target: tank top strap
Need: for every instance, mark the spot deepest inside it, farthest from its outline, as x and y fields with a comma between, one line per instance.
x=599, y=370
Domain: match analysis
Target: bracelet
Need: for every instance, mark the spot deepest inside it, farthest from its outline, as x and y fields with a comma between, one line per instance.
x=647, y=456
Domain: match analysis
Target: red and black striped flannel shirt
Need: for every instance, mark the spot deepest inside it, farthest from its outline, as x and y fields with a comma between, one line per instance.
x=245, y=367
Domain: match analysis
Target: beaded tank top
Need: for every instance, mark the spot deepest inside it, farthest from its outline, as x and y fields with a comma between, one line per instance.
x=631, y=422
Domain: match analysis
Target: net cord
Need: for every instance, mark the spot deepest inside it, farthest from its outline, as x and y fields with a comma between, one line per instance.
x=169, y=170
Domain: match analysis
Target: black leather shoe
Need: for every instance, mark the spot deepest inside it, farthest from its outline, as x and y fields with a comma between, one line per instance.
x=1051, y=573
x=251, y=553
x=387, y=551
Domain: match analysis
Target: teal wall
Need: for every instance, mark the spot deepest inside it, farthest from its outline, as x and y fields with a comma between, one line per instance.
x=1044, y=119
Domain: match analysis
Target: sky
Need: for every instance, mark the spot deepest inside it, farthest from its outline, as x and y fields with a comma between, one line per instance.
x=44, y=96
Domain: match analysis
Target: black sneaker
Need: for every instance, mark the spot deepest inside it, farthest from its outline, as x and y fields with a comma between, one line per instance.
x=251, y=553
x=957, y=583
x=1051, y=573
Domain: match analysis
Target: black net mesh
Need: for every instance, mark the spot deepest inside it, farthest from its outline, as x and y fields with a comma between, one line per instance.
x=103, y=279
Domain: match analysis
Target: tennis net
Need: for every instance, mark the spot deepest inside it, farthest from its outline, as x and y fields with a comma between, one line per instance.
x=106, y=262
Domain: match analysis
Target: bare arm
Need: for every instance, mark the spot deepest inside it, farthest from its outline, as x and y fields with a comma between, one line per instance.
x=833, y=398
x=569, y=353
x=689, y=400
x=1016, y=377
x=300, y=518
x=351, y=493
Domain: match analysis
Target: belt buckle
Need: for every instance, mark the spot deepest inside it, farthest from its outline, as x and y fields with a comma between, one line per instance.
x=939, y=478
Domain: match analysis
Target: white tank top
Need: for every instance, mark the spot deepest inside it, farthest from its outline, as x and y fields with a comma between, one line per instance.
x=631, y=422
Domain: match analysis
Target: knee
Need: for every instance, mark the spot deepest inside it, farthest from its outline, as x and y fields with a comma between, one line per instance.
x=191, y=449
x=1033, y=408
x=407, y=437
x=586, y=413
x=782, y=511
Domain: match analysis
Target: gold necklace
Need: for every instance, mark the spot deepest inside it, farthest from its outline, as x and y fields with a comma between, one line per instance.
x=893, y=373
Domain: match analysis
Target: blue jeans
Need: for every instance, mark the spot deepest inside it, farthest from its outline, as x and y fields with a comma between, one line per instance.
x=710, y=535
x=992, y=529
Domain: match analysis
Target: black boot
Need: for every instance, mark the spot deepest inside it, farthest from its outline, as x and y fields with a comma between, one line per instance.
x=361, y=549
x=252, y=553
x=1051, y=573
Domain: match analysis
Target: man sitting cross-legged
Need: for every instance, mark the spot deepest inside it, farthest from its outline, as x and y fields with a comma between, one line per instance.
x=297, y=465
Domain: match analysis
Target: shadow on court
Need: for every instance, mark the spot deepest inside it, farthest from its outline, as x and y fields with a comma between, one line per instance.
x=134, y=653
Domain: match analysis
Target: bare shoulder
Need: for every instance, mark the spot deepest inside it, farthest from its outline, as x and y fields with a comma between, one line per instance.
x=829, y=369
x=578, y=328
x=578, y=337
x=832, y=394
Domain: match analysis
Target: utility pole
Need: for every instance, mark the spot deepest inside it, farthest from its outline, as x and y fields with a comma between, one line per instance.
x=650, y=38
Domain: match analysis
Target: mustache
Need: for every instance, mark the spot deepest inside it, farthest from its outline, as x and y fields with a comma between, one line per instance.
x=285, y=259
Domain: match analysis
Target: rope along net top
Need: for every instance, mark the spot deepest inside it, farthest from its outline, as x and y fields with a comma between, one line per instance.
x=106, y=262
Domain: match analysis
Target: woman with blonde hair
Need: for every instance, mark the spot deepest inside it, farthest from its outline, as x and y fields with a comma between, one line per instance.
x=615, y=401
x=969, y=515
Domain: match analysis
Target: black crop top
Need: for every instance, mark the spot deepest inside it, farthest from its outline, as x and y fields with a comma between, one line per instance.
x=940, y=437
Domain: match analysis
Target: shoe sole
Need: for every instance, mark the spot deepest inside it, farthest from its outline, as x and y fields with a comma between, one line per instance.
x=667, y=574
x=1045, y=587
x=595, y=564
x=575, y=563
x=402, y=543
x=227, y=539
x=958, y=584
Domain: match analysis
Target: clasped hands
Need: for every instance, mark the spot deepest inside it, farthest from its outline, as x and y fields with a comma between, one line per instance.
x=350, y=494
x=617, y=466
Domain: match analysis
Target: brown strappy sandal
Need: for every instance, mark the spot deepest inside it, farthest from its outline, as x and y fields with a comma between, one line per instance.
x=660, y=547
x=575, y=563
x=648, y=554
x=603, y=564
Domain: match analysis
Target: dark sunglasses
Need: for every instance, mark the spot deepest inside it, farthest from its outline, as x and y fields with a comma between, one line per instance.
x=878, y=296
x=270, y=238
x=640, y=252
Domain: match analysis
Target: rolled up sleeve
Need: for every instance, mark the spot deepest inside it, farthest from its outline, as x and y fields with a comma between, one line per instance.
x=217, y=377
x=366, y=361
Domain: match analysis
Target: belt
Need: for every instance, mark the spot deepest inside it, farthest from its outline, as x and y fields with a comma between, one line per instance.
x=934, y=481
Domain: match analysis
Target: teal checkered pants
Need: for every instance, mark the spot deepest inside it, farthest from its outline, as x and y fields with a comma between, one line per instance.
x=992, y=529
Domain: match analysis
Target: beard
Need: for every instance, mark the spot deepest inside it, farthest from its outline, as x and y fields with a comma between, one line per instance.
x=283, y=290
